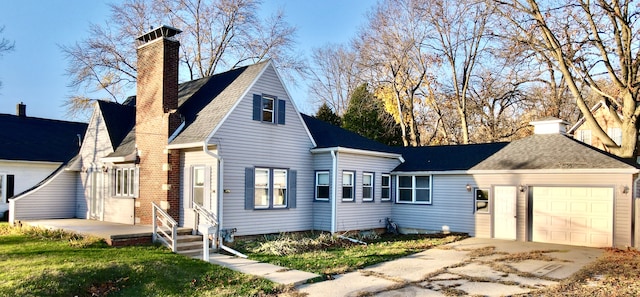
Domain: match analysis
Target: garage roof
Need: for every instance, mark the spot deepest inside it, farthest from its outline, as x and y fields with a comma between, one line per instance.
x=551, y=151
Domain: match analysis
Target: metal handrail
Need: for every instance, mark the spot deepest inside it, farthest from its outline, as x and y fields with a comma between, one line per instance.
x=169, y=240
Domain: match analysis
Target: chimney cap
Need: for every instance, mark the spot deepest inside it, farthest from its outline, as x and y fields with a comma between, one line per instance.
x=162, y=31
x=549, y=125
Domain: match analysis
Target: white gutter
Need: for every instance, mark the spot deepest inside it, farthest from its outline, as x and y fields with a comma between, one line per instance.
x=184, y=145
x=334, y=189
x=220, y=194
x=358, y=152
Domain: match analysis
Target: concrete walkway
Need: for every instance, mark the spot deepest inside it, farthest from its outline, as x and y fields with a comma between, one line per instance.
x=473, y=266
x=271, y=272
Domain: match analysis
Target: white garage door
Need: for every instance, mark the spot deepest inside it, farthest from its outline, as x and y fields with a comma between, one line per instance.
x=573, y=215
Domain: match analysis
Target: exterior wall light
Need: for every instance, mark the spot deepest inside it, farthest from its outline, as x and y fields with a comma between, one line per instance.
x=468, y=187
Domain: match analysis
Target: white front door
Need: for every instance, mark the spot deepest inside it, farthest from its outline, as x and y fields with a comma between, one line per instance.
x=504, y=216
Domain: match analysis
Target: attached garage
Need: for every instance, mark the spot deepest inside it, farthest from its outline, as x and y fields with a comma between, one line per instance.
x=572, y=215
x=567, y=192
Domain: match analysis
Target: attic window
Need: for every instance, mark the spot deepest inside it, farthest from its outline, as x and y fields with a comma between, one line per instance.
x=268, y=109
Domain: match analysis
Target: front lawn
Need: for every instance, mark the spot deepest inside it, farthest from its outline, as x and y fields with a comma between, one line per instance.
x=327, y=255
x=37, y=262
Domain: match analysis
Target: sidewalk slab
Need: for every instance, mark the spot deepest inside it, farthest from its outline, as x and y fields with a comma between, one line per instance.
x=271, y=272
x=348, y=285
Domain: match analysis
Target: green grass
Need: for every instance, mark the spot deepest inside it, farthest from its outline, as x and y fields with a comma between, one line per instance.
x=336, y=256
x=37, y=262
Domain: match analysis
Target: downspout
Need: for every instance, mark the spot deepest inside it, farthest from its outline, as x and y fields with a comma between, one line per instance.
x=220, y=196
x=334, y=190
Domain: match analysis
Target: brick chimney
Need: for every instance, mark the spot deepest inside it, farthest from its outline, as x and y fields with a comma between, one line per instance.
x=156, y=119
x=21, y=109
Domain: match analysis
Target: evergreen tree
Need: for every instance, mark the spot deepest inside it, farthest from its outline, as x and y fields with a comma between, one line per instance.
x=325, y=113
x=367, y=117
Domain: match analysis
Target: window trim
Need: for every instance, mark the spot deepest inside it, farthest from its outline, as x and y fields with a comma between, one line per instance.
x=475, y=201
x=615, y=133
x=271, y=188
x=3, y=188
x=382, y=187
x=413, y=189
x=372, y=187
x=584, y=135
x=273, y=100
x=328, y=185
x=119, y=184
x=353, y=186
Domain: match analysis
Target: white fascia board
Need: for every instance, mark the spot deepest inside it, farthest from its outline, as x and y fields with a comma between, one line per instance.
x=559, y=171
x=357, y=152
x=448, y=172
x=128, y=158
x=31, y=162
x=184, y=145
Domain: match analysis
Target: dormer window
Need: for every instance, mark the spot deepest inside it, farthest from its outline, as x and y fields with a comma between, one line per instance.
x=269, y=109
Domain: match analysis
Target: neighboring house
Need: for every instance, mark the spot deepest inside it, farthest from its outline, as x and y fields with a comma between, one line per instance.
x=583, y=131
x=32, y=149
x=236, y=145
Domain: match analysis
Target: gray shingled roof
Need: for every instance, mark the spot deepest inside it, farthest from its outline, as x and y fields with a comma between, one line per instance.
x=205, y=102
x=550, y=151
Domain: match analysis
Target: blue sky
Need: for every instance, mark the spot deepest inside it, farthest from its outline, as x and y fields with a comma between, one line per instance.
x=34, y=73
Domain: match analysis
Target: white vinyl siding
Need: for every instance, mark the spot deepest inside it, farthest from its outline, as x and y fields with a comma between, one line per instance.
x=54, y=199
x=190, y=159
x=454, y=206
x=242, y=143
x=361, y=215
x=322, y=207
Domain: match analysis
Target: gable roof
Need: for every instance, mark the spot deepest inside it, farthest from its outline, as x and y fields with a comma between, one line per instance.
x=37, y=139
x=204, y=103
x=446, y=157
x=328, y=136
x=551, y=151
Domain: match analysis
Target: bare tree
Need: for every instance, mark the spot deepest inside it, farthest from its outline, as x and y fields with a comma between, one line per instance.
x=396, y=63
x=5, y=46
x=334, y=76
x=217, y=35
x=591, y=43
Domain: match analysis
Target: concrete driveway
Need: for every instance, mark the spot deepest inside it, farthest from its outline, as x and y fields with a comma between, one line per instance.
x=473, y=266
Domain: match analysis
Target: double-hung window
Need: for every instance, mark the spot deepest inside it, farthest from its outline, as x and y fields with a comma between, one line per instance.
x=125, y=181
x=270, y=188
x=197, y=185
x=367, y=186
x=322, y=185
x=347, y=185
x=414, y=189
x=385, y=189
x=269, y=109
x=482, y=200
